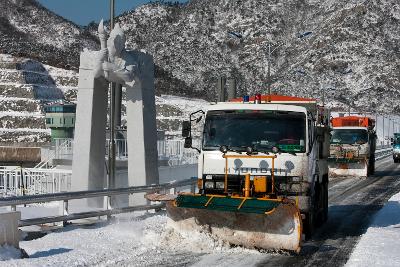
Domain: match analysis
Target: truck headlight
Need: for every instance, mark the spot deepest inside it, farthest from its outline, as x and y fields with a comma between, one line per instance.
x=219, y=185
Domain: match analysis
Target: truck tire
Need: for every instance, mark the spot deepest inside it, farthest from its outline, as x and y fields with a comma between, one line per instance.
x=311, y=220
x=326, y=206
x=371, y=166
x=322, y=203
x=309, y=224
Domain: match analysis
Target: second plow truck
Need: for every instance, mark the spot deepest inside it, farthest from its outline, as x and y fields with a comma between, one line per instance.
x=262, y=172
x=352, y=149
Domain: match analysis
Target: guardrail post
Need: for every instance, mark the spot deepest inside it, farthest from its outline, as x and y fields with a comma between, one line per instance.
x=65, y=211
x=109, y=207
x=193, y=188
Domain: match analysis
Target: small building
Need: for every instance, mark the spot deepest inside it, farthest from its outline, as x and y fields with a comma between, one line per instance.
x=60, y=118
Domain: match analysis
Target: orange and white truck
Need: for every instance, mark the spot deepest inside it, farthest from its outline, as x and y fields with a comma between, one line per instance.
x=263, y=172
x=352, y=148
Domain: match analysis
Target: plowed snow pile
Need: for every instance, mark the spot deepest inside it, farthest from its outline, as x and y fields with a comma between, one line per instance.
x=132, y=240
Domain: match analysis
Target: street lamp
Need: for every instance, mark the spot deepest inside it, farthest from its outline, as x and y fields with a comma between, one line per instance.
x=111, y=151
x=269, y=80
x=269, y=68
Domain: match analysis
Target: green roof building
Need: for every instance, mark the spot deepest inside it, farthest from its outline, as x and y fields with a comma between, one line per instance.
x=60, y=118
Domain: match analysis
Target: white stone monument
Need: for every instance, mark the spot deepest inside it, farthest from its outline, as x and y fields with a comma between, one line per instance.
x=134, y=70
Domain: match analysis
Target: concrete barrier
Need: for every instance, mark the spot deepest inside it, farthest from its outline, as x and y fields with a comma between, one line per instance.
x=9, y=228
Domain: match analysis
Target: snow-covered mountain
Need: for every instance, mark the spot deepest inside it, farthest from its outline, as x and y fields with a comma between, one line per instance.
x=29, y=30
x=348, y=49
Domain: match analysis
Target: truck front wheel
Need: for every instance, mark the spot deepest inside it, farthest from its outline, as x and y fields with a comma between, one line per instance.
x=309, y=224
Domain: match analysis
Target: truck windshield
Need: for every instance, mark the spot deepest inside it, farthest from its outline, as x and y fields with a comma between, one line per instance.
x=349, y=136
x=260, y=129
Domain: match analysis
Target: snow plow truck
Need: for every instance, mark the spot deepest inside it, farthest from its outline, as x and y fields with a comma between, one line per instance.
x=262, y=172
x=352, y=149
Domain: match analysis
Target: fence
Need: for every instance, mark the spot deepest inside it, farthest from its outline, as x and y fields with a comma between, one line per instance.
x=383, y=152
x=16, y=181
x=13, y=202
x=171, y=150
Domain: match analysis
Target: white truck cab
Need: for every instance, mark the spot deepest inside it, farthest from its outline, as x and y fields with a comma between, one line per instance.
x=294, y=130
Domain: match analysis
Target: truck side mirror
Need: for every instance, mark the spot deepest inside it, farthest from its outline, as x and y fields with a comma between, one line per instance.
x=186, y=129
x=188, y=142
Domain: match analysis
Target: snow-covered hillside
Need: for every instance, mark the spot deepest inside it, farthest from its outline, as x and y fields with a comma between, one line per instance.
x=27, y=29
x=25, y=86
x=347, y=49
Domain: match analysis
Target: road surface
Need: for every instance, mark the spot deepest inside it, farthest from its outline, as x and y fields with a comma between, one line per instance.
x=352, y=203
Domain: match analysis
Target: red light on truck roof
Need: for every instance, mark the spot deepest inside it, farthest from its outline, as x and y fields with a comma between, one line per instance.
x=257, y=99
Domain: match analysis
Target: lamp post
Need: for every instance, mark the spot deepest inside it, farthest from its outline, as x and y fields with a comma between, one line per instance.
x=111, y=150
x=383, y=128
x=269, y=55
x=269, y=68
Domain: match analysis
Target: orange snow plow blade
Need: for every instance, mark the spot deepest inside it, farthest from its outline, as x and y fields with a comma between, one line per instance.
x=279, y=229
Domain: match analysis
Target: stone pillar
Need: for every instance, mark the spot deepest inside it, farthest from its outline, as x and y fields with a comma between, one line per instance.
x=88, y=167
x=141, y=127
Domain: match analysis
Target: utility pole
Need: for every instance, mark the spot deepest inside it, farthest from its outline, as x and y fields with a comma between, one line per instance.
x=393, y=127
x=383, y=127
x=111, y=151
x=269, y=73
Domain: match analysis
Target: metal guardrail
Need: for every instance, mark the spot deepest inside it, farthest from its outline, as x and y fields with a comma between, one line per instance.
x=66, y=196
x=383, y=153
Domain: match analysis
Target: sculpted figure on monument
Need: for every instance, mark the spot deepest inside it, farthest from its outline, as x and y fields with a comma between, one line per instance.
x=113, y=61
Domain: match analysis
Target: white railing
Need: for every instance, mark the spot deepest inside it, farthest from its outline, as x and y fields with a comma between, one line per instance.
x=15, y=181
x=176, y=154
x=62, y=148
x=171, y=150
x=121, y=148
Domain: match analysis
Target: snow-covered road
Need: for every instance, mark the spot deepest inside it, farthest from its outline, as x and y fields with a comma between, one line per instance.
x=144, y=239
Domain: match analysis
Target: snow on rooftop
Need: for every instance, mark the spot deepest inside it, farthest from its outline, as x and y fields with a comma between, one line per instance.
x=380, y=245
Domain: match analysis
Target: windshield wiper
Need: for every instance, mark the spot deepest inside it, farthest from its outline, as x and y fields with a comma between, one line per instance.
x=265, y=151
x=237, y=149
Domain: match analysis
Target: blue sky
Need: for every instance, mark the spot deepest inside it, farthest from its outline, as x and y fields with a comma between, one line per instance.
x=84, y=11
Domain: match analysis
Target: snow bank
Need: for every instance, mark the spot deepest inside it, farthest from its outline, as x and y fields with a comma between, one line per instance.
x=134, y=239
x=380, y=245
x=8, y=253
